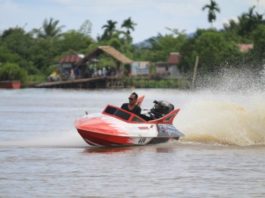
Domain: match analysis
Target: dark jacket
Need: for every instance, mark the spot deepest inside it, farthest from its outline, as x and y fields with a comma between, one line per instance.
x=136, y=110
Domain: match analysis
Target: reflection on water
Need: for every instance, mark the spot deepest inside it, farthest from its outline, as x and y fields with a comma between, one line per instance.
x=160, y=148
x=108, y=150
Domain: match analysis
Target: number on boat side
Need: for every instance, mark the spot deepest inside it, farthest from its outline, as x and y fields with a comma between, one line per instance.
x=142, y=140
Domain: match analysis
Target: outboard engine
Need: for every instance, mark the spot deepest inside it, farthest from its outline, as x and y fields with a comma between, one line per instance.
x=160, y=109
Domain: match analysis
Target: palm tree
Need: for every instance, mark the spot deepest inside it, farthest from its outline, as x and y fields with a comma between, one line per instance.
x=246, y=23
x=110, y=28
x=49, y=29
x=128, y=24
x=212, y=9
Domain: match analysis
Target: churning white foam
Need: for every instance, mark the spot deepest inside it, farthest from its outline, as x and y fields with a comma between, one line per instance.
x=232, y=111
x=223, y=122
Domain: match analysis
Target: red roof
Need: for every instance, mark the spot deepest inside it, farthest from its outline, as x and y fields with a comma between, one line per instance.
x=70, y=59
x=245, y=47
x=174, y=58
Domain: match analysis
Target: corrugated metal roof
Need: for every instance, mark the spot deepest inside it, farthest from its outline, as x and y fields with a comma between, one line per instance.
x=70, y=59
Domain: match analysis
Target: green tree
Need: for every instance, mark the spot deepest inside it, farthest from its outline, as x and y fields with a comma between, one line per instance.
x=17, y=47
x=246, y=24
x=45, y=52
x=160, y=47
x=116, y=43
x=73, y=40
x=50, y=29
x=117, y=38
x=47, y=47
x=12, y=71
x=129, y=25
x=18, y=41
x=214, y=49
x=7, y=56
x=259, y=42
x=109, y=29
x=212, y=9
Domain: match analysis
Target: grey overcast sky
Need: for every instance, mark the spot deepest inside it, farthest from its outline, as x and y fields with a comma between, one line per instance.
x=152, y=16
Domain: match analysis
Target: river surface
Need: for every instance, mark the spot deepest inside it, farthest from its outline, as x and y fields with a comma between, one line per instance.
x=221, y=155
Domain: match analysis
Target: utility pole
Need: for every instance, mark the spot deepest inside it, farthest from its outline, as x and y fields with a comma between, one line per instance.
x=195, y=72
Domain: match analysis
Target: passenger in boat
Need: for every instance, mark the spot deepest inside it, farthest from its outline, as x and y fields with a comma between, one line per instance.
x=132, y=105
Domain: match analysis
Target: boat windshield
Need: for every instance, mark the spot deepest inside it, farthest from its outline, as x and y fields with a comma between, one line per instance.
x=122, y=114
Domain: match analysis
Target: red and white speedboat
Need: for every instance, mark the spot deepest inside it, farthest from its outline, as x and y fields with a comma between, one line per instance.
x=118, y=127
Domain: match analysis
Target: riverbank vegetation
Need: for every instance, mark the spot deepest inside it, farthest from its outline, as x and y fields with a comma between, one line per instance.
x=147, y=82
x=35, y=53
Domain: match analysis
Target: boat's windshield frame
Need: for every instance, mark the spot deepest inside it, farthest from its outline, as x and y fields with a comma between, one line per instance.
x=130, y=117
x=122, y=114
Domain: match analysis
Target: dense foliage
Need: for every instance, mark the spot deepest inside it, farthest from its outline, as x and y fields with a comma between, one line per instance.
x=37, y=51
x=11, y=71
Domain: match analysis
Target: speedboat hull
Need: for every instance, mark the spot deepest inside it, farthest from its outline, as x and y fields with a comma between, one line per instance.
x=98, y=139
x=122, y=128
